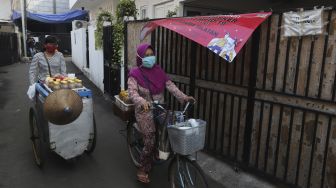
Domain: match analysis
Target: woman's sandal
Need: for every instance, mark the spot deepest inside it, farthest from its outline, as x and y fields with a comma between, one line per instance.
x=143, y=177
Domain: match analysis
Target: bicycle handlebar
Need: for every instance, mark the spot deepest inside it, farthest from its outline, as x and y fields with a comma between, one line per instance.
x=160, y=106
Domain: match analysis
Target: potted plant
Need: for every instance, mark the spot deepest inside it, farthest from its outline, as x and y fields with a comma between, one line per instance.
x=126, y=9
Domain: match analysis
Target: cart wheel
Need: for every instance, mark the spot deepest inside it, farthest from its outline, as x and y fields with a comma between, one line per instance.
x=92, y=142
x=36, y=138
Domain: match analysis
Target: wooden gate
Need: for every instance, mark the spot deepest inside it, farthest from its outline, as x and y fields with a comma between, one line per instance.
x=111, y=73
x=273, y=109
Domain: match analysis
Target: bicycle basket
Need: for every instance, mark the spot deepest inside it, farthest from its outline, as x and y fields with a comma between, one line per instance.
x=187, y=140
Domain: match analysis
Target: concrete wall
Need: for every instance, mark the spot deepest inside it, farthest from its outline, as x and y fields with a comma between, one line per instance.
x=5, y=10
x=96, y=57
x=72, y=3
x=47, y=6
x=256, y=5
x=95, y=6
x=78, y=46
x=7, y=28
x=96, y=70
x=107, y=5
x=157, y=8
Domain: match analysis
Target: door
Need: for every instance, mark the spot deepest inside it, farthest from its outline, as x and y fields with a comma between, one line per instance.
x=111, y=74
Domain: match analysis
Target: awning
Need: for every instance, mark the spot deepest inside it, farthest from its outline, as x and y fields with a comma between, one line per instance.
x=225, y=35
x=67, y=17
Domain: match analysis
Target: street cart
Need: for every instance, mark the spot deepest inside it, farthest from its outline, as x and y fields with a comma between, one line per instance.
x=62, y=121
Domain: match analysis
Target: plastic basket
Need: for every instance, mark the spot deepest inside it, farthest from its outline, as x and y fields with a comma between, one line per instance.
x=187, y=140
x=124, y=115
x=122, y=105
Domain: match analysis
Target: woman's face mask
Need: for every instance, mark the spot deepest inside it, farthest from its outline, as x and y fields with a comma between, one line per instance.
x=50, y=48
x=149, y=61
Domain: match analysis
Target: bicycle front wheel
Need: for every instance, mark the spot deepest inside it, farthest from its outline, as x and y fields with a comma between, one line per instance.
x=185, y=173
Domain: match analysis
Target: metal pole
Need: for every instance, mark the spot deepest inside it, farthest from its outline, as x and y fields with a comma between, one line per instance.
x=54, y=6
x=24, y=34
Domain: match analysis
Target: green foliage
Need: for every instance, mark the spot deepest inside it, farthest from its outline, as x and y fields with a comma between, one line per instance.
x=171, y=13
x=126, y=8
x=117, y=42
x=102, y=17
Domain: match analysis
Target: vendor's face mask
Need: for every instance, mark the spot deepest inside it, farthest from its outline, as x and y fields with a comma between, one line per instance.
x=50, y=48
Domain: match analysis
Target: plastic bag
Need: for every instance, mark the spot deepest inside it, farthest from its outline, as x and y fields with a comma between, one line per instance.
x=31, y=91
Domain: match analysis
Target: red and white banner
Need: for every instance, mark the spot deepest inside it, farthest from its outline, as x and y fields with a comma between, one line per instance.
x=225, y=35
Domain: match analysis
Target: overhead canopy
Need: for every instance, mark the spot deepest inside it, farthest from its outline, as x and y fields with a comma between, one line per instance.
x=225, y=35
x=67, y=17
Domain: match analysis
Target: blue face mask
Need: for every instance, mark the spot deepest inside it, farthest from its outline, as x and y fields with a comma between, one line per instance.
x=149, y=61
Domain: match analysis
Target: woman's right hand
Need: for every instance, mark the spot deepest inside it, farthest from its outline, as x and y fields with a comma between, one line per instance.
x=145, y=106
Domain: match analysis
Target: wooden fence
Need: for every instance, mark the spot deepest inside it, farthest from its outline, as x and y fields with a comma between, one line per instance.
x=273, y=109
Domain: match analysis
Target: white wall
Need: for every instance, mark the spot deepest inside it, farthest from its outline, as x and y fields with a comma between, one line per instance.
x=107, y=5
x=96, y=70
x=78, y=46
x=72, y=3
x=158, y=8
x=46, y=6
x=96, y=57
x=5, y=10
x=94, y=6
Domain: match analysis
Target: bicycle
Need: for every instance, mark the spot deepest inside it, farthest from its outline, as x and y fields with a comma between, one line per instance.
x=184, y=172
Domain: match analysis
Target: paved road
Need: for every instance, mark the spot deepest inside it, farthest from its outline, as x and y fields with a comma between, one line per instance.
x=109, y=165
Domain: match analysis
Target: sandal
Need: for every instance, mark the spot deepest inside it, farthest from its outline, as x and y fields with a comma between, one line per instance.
x=143, y=177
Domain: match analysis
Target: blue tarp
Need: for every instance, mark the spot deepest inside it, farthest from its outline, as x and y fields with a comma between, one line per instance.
x=67, y=17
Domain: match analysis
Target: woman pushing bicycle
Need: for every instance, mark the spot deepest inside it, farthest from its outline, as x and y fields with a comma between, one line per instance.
x=146, y=84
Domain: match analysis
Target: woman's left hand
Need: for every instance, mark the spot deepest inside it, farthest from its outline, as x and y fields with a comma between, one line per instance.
x=190, y=99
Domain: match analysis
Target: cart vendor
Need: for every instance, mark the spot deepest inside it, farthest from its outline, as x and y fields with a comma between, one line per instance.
x=147, y=82
x=48, y=63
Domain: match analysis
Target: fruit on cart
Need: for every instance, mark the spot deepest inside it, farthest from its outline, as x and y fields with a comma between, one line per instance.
x=65, y=82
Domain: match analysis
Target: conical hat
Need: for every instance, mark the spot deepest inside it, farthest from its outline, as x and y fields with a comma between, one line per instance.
x=63, y=106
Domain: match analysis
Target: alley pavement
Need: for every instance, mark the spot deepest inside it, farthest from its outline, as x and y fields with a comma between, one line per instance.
x=108, y=167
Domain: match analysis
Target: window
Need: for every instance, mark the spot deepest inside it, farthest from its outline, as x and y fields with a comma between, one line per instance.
x=143, y=13
x=193, y=13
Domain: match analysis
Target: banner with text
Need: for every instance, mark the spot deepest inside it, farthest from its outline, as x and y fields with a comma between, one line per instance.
x=303, y=23
x=225, y=35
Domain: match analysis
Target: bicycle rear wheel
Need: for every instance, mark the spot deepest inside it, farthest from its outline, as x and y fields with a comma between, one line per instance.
x=185, y=173
x=134, y=142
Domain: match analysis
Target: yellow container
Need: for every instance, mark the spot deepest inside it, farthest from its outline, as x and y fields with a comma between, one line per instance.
x=79, y=83
x=72, y=84
x=64, y=85
x=56, y=85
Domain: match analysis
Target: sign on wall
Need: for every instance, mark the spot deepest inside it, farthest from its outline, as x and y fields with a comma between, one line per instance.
x=303, y=23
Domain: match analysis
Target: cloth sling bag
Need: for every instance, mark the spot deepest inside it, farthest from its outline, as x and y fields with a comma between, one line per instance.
x=48, y=64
